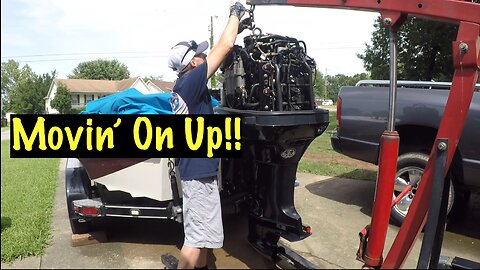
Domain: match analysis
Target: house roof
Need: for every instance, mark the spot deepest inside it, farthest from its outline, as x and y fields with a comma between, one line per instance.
x=165, y=86
x=97, y=86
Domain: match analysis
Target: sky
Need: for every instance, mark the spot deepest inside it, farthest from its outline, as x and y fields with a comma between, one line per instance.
x=59, y=34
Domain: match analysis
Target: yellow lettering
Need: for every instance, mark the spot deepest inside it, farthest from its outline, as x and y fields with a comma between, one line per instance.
x=39, y=129
x=117, y=123
x=51, y=142
x=228, y=122
x=108, y=133
x=89, y=134
x=188, y=133
x=71, y=141
x=211, y=145
x=136, y=133
x=161, y=138
x=238, y=122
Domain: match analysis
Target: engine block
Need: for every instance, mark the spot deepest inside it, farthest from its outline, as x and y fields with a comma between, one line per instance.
x=270, y=73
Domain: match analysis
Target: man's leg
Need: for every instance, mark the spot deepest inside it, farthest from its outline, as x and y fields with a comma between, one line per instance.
x=188, y=257
x=202, y=259
x=201, y=202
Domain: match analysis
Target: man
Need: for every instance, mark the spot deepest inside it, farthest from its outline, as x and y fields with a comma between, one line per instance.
x=202, y=216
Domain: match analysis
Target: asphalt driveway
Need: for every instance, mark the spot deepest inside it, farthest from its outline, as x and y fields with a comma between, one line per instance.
x=336, y=209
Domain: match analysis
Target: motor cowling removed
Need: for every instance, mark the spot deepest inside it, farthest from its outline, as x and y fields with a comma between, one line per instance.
x=271, y=73
x=269, y=82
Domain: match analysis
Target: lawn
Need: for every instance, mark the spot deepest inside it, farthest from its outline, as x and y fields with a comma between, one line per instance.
x=28, y=189
x=321, y=159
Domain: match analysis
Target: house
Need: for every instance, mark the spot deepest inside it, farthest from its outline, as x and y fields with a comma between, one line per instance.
x=84, y=91
x=162, y=86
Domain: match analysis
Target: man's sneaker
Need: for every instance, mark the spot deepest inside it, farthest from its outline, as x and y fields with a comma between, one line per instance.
x=169, y=261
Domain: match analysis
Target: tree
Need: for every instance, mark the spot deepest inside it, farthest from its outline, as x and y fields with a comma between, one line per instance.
x=376, y=56
x=424, y=51
x=11, y=74
x=219, y=80
x=319, y=83
x=62, y=101
x=29, y=93
x=152, y=78
x=334, y=83
x=327, y=87
x=100, y=70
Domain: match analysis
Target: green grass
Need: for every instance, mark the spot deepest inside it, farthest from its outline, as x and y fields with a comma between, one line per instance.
x=335, y=169
x=28, y=189
x=321, y=159
x=328, y=107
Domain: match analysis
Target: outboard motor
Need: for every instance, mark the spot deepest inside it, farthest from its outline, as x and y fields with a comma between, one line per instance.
x=269, y=82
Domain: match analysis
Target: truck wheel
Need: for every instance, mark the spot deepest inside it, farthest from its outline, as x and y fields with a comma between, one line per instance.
x=411, y=166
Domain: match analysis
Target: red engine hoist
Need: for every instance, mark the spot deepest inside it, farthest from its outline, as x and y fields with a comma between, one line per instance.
x=431, y=195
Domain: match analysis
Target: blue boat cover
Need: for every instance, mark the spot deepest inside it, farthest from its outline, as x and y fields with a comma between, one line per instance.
x=132, y=101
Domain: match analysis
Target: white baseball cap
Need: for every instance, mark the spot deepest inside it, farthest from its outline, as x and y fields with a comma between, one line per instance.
x=183, y=52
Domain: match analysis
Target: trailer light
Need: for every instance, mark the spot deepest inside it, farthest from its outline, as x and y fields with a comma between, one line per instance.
x=75, y=210
x=88, y=211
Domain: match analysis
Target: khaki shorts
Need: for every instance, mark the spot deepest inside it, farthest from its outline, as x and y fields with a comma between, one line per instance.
x=202, y=213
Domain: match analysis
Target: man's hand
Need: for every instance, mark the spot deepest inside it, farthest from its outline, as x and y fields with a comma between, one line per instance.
x=243, y=2
x=238, y=9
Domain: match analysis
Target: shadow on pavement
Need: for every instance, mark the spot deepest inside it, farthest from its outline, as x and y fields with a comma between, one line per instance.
x=466, y=221
x=170, y=233
x=142, y=231
x=237, y=245
x=361, y=193
x=346, y=191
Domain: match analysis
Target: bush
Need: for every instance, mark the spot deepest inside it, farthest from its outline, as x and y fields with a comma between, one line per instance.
x=78, y=110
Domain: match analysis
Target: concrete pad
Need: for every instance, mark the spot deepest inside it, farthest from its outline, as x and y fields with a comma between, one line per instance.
x=26, y=263
x=335, y=208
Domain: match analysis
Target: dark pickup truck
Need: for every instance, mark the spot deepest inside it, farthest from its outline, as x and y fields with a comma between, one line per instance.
x=362, y=113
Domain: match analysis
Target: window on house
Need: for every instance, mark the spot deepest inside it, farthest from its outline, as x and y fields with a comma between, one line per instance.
x=75, y=99
x=88, y=98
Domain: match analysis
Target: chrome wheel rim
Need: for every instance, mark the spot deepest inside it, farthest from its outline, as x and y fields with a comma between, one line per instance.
x=402, y=179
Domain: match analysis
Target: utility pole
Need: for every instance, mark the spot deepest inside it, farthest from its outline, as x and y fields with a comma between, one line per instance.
x=213, y=79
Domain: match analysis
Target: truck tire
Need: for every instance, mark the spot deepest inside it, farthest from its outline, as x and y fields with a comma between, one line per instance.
x=409, y=167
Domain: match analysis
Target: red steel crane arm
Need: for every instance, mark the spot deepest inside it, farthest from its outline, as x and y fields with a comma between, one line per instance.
x=443, y=10
x=466, y=61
